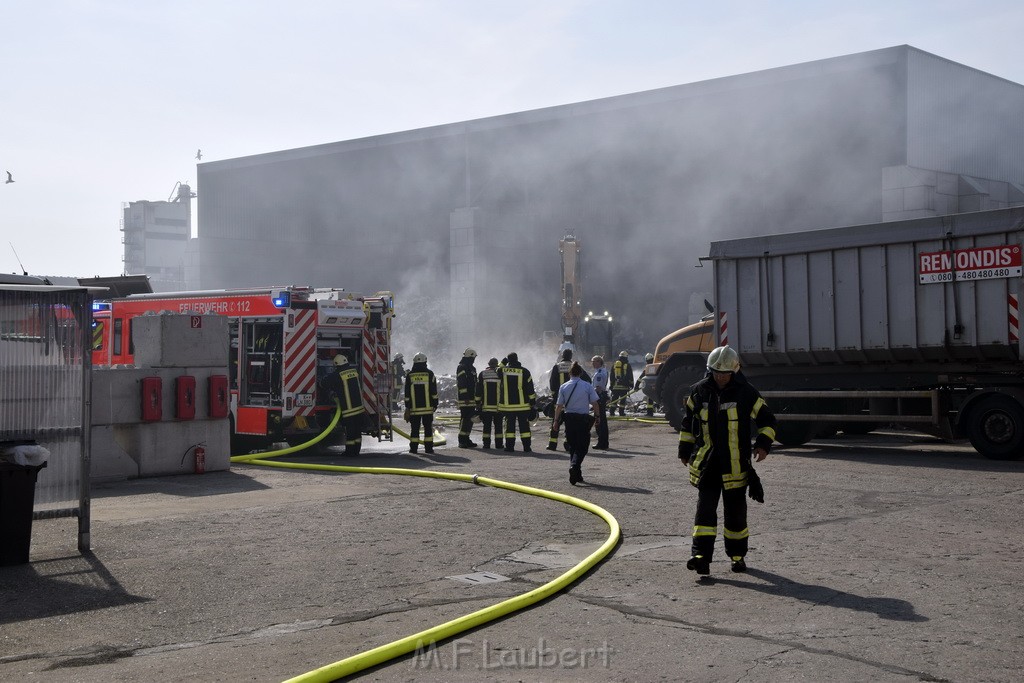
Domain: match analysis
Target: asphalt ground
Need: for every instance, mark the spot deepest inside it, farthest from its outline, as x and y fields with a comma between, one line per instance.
x=889, y=557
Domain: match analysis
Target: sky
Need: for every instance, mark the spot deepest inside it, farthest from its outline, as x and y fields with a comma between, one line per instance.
x=104, y=102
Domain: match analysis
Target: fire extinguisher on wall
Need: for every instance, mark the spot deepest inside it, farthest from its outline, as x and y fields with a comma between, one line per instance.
x=200, y=459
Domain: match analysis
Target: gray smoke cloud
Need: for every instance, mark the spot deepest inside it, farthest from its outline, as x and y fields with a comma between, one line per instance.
x=645, y=181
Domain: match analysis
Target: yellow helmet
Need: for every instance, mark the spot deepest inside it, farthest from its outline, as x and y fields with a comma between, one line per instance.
x=341, y=359
x=723, y=359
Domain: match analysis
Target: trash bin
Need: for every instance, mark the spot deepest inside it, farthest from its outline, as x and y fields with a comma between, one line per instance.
x=17, y=496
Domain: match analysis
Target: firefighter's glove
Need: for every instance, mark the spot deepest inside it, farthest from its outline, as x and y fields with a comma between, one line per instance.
x=406, y=415
x=754, y=488
x=533, y=414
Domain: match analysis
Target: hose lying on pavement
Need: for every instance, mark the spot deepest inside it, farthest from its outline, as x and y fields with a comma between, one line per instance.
x=424, y=639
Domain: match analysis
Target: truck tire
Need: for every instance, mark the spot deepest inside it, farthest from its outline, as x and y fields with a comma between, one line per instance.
x=996, y=428
x=795, y=433
x=677, y=390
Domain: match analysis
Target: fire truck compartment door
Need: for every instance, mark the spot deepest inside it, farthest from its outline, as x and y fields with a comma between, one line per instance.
x=341, y=313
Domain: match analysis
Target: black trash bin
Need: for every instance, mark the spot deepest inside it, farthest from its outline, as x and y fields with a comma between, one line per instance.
x=17, y=496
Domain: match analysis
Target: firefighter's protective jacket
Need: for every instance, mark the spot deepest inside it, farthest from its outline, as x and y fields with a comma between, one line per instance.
x=517, y=393
x=465, y=380
x=345, y=384
x=622, y=375
x=560, y=375
x=420, y=390
x=714, y=433
x=488, y=390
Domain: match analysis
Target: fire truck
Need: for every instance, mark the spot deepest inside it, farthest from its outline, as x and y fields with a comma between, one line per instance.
x=282, y=343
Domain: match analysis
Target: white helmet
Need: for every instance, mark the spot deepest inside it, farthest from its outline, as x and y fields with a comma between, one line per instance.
x=623, y=354
x=469, y=353
x=419, y=358
x=649, y=358
x=723, y=359
x=341, y=359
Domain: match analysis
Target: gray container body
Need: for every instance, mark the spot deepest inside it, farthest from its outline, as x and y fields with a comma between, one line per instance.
x=855, y=295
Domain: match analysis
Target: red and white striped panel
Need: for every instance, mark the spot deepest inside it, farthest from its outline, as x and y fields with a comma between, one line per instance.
x=367, y=372
x=300, y=357
x=723, y=329
x=1014, y=318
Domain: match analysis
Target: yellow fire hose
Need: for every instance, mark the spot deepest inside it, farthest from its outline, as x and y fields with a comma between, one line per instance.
x=424, y=639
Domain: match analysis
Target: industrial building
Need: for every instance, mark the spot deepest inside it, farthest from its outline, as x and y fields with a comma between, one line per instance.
x=470, y=213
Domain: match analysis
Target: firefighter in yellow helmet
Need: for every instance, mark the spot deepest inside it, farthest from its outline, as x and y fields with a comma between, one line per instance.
x=714, y=442
x=420, y=403
x=465, y=382
x=344, y=384
x=622, y=382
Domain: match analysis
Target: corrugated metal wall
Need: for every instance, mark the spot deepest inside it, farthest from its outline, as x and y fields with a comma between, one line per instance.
x=45, y=346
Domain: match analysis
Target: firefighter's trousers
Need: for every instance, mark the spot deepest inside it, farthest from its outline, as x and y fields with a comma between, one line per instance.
x=353, y=427
x=465, y=424
x=734, y=514
x=490, y=420
x=619, y=401
x=428, y=432
x=512, y=417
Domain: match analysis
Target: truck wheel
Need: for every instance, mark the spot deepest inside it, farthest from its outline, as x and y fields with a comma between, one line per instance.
x=858, y=428
x=795, y=433
x=996, y=428
x=677, y=390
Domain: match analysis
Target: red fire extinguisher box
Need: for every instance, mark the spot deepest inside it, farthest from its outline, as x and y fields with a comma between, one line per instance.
x=218, y=396
x=185, y=397
x=152, y=399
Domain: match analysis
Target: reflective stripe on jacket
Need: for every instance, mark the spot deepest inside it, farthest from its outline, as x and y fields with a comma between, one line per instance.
x=420, y=392
x=715, y=429
x=516, y=389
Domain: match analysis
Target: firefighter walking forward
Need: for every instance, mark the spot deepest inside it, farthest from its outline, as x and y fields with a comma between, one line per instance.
x=465, y=381
x=344, y=384
x=488, y=389
x=622, y=383
x=420, y=403
x=714, y=442
x=517, y=402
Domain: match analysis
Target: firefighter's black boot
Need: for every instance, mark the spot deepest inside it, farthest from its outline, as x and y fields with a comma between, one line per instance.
x=699, y=564
x=487, y=443
x=526, y=446
x=497, y=443
x=412, y=448
x=739, y=565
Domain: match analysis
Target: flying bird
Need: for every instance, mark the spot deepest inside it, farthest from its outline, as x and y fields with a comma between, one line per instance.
x=199, y=154
x=9, y=179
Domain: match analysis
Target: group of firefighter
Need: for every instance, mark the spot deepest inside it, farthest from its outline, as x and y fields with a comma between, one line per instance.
x=714, y=436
